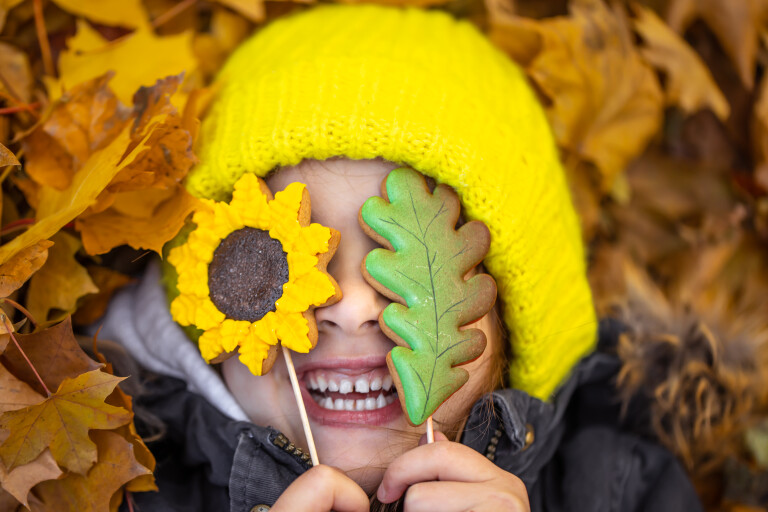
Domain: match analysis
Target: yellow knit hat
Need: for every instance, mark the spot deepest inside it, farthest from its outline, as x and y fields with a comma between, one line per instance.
x=421, y=89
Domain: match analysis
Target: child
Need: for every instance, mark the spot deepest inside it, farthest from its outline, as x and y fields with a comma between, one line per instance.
x=335, y=98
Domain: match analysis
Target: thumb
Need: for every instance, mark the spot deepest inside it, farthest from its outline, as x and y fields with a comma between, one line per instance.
x=439, y=436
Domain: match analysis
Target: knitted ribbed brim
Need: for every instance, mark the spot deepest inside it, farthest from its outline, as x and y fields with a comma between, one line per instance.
x=421, y=89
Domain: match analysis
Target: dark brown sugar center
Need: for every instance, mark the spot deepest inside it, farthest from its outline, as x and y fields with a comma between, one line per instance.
x=247, y=274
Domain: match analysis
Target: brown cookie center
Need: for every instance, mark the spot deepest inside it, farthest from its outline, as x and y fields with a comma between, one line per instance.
x=247, y=274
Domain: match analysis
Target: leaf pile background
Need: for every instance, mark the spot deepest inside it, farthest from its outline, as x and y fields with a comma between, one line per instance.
x=660, y=110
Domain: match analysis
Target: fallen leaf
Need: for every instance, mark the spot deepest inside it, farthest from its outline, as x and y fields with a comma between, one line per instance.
x=759, y=135
x=16, y=271
x=92, y=307
x=123, y=13
x=689, y=82
x=47, y=162
x=603, y=101
x=58, y=207
x=61, y=281
x=7, y=157
x=251, y=9
x=62, y=423
x=735, y=23
x=7, y=502
x=212, y=47
x=151, y=230
x=89, y=55
x=23, y=478
x=55, y=354
x=92, y=493
x=15, y=74
x=16, y=394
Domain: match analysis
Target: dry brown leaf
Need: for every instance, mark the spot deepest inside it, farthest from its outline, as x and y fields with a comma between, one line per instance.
x=605, y=101
x=16, y=271
x=15, y=75
x=15, y=393
x=93, y=307
x=734, y=22
x=92, y=493
x=759, y=135
x=689, y=82
x=62, y=423
x=23, y=478
x=7, y=157
x=46, y=162
x=61, y=281
x=55, y=354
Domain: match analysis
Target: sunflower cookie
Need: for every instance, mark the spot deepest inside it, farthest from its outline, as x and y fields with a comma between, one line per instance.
x=252, y=272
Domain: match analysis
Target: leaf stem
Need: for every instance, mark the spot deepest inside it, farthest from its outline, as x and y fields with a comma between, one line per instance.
x=9, y=328
x=21, y=308
x=172, y=12
x=19, y=108
x=42, y=38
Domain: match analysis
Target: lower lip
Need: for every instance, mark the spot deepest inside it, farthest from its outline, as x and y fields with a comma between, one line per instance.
x=350, y=419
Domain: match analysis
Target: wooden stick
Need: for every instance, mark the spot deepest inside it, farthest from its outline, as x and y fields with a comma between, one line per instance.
x=430, y=431
x=302, y=409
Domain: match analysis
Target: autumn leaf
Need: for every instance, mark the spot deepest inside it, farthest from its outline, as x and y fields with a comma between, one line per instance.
x=61, y=281
x=92, y=307
x=15, y=74
x=55, y=354
x=251, y=9
x=93, y=492
x=7, y=157
x=89, y=55
x=124, y=13
x=735, y=23
x=605, y=101
x=16, y=394
x=23, y=478
x=62, y=423
x=424, y=271
x=689, y=82
x=16, y=271
x=759, y=135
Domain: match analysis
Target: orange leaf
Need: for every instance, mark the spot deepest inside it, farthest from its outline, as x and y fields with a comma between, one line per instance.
x=93, y=492
x=16, y=271
x=689, y=82
x=55, y=354
x=62, y=423
x=144, y=230
x=47, y=162
x=7, y=157
x=60, y=282
x=15, y=75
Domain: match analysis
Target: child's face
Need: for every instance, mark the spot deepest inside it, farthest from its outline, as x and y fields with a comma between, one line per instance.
x=351, y=349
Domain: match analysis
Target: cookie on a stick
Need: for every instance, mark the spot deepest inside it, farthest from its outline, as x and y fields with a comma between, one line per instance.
x=426, y=269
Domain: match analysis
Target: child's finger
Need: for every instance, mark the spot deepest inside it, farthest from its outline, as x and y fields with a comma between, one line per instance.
x=322, y=489
x=441, y=460
x=463, y=496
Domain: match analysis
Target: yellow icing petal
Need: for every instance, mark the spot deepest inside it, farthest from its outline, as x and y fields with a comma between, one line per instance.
x=312, y=239
x=293, y=331
x=300, y=264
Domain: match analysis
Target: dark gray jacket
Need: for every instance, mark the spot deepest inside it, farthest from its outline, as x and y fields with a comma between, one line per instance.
x=573, y=453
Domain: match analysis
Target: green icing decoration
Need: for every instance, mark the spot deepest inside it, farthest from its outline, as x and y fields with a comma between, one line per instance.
x=423, y=270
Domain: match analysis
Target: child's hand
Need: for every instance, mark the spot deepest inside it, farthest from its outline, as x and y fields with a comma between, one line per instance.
x=451, y=477
x=322, y=489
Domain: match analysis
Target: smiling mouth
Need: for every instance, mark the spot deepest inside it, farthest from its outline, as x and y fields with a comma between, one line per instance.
x=336, y=391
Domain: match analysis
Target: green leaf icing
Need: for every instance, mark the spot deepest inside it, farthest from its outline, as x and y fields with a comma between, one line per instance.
x=423, y=269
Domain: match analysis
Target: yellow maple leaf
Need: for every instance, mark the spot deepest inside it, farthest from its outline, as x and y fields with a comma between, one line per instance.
x=61, y=281
x=16, y=271
x=89, y=55
x=123, y=13
x=61, y=422
x=689, y=83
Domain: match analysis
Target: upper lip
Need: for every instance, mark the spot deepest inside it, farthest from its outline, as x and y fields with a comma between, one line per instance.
x=344, y=363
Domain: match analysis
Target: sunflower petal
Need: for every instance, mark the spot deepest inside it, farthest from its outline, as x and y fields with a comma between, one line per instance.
x=293, y=331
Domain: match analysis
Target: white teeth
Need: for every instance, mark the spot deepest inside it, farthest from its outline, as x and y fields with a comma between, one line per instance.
x=322, y=384
x=370, y=404
x=389, y=399
x=387, y=384
x=376, y=384
x=312, y=382
x=381, y=401
x=327, y=403
x=345, y=387
x=360, y=405
x=332, y=385
x=338, y=404
x=349, y=405
x=361, y=385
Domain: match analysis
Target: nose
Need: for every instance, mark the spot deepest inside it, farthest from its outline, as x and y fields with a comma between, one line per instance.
x=357, y=313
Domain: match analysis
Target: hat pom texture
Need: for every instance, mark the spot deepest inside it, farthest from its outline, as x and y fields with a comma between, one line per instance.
x=422, y=89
